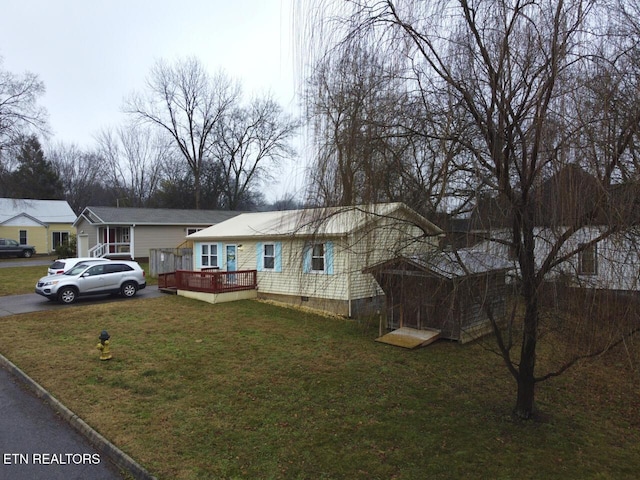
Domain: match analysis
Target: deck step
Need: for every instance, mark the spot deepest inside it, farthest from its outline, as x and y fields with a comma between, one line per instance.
x=410, y=337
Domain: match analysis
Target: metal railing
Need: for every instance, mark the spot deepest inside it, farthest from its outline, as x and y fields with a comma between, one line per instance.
x=209, y=281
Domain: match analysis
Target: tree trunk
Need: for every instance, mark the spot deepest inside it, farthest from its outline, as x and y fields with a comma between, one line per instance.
x=526, y=381
x=526, y=369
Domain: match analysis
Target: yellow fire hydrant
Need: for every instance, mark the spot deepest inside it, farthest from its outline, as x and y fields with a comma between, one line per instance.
x=103, y=346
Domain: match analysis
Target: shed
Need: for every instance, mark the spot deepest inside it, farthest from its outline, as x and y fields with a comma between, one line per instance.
x=451, y=292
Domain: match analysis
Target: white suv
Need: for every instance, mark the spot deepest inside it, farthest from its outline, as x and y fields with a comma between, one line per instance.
x=123, y=277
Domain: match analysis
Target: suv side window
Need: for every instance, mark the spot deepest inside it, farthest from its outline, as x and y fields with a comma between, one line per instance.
x=96, y=270
x=117, y=267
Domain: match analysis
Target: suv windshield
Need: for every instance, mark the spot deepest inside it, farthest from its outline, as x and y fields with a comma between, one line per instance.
x=77, y=270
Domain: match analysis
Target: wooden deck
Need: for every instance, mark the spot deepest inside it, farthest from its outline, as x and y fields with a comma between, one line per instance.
x=207, y=281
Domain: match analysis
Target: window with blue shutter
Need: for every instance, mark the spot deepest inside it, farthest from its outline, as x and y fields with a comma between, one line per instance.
x=318, y=258
x=269, y=256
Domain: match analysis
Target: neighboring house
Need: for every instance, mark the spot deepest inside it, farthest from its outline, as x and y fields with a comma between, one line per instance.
x=45, y=224
x=133, y=232
x=568, y=199
x=451, y=292
x=316, y=257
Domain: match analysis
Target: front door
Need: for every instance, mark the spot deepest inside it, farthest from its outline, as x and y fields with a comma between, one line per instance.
x=231, y=258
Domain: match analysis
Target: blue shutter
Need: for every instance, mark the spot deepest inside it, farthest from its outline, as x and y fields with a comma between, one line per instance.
x=259, y=257
x=328, y=258
x=278, y=259
x=306, y=258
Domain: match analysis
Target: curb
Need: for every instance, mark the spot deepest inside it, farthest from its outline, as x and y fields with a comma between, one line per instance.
x=104, y=446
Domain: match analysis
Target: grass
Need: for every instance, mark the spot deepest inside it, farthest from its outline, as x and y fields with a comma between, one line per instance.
x=251, y=390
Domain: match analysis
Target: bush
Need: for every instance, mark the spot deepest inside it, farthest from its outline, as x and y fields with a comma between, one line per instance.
x=67, y=250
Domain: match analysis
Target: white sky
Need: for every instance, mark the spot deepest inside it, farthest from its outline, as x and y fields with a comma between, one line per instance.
x=92, y=54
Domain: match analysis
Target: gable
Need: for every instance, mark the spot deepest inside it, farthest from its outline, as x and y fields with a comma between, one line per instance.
x=42, y=211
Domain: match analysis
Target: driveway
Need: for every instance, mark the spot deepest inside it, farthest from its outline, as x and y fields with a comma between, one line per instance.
x=32, y=302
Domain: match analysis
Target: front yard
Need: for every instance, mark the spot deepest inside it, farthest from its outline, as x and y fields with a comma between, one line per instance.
x=251, y=390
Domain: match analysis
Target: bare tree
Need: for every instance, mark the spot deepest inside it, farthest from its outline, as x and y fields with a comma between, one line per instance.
x=134, y=157
x=517, y=74
x=249, y=145
x=375, y=138
x=81, y=173
x=19, y=112
x=187, y=104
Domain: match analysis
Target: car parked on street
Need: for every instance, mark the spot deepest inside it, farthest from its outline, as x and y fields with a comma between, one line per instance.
x=10, y=247
x=122, y=277
x=63, y=264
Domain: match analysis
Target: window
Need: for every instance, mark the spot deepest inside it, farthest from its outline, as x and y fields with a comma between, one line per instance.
x=209, y=255
x=60, y=238
x=193, y=230
x=588, y=260
x=317, y=257
x=95, y=270
x=269, y=258
x=23, y=237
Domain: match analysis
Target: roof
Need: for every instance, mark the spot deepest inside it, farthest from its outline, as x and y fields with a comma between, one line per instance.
x=571, y=196
x=154, y=216
x=329, y=221
x=43, y=211
x=454, y=264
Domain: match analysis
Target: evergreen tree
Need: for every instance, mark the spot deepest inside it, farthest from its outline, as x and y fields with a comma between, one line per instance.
x=35, y=176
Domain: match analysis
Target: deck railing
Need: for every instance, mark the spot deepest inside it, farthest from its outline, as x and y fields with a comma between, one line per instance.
x=208, y=281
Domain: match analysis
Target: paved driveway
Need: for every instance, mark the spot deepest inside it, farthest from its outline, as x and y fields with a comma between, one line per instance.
x=32, y=302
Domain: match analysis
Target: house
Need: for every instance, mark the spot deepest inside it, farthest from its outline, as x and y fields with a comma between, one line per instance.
x=451, y=292
x=45, y=224
x=132, y=232
x=316, y=257
x=593, y=226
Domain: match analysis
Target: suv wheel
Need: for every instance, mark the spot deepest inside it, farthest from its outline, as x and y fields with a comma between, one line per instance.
x=27, y=253
x=67, y=295
x=128, y=289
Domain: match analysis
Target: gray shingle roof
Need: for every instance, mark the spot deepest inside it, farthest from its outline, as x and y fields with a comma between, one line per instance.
x=157, y=216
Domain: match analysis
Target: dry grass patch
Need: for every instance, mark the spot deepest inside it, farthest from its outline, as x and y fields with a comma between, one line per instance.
x=251, y=390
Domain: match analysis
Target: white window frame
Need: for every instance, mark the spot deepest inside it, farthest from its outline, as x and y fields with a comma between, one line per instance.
x=271, y=257
x=316, y=257
x=588, y=258
x=212, y=259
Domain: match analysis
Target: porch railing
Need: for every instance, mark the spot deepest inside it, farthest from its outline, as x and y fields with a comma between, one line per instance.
x=208, y=281
x=102, y=249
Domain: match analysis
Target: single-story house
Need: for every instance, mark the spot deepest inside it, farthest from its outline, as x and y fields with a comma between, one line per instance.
x=590, y=230
x=315, y=257
x=45, y=224
x=133, y=232
x=452, y=292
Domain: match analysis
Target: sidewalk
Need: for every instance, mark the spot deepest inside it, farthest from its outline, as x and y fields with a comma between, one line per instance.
x=38, y=441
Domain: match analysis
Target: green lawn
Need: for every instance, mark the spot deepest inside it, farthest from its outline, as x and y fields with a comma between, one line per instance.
x=248, y=390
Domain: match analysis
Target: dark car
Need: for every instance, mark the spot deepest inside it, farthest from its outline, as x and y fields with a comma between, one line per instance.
x=9, y=247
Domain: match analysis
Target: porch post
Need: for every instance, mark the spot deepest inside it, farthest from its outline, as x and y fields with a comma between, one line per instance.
x=132, y=243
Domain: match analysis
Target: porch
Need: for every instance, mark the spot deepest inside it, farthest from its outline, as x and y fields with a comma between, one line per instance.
x=211, y=286
x=212, y=281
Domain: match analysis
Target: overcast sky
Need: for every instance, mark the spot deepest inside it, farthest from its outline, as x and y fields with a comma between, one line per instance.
x=91, y=55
